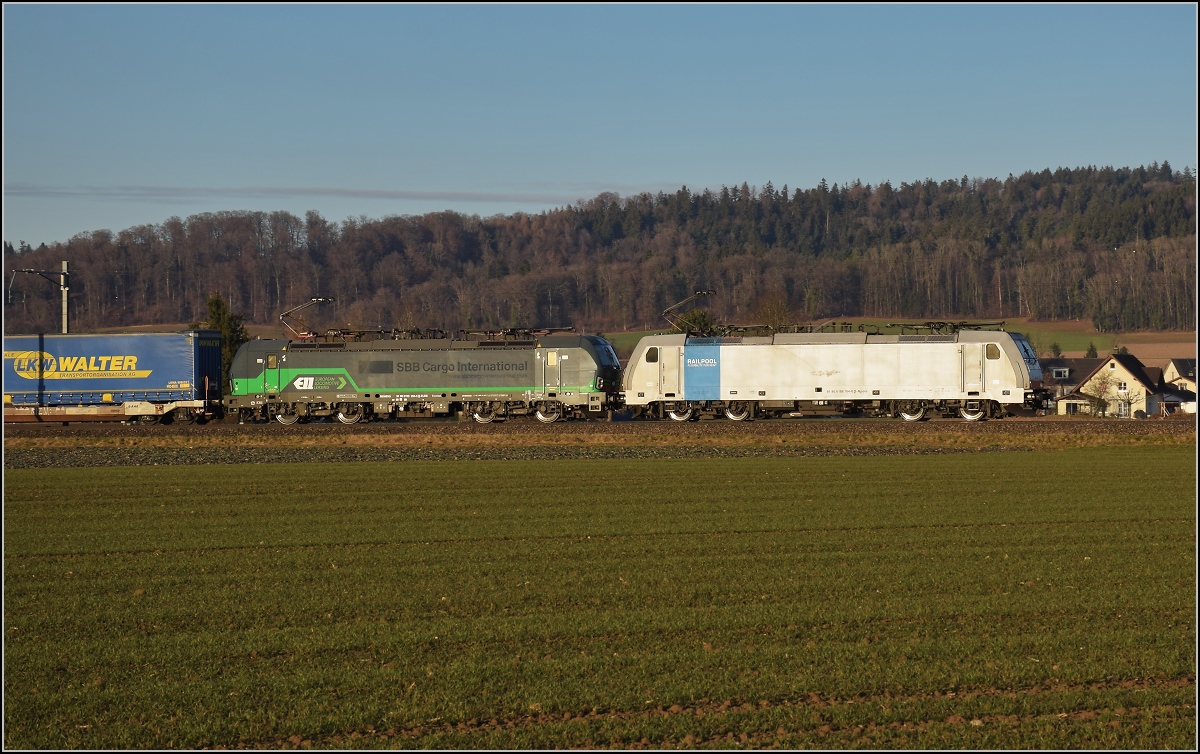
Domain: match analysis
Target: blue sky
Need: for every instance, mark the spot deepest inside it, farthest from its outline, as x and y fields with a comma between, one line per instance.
x=116, y=116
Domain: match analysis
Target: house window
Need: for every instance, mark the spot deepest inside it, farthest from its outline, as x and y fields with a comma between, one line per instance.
x=1122, y=410
x=1122, y=387
x=1060, y=373
x=1112, y=365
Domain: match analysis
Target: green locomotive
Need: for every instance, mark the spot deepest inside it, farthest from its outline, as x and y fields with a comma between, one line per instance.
x=413, y=374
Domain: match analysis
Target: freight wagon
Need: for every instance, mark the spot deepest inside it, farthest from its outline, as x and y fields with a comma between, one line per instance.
x=972, y=373
x=487, y=376
x=140, y=377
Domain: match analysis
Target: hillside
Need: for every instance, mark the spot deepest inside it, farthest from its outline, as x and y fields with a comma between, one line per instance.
x=1112, y=246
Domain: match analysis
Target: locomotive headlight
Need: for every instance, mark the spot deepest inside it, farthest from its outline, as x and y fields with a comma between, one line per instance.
x=599, y=382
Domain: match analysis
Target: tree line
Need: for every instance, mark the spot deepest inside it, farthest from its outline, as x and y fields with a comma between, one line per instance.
x=1112, y=245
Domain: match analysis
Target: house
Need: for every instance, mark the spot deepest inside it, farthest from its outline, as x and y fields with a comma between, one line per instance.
x=1182, y=373
x=1062, y=376
x=1176, y=399
x=1074, y=404
x=1119, y=386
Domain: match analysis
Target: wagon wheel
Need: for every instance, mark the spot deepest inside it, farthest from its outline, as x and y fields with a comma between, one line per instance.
x=972, y=416
x=148, y=419
x=681, y=416
x=738, y=412
x=287, y=416
x=484, y=413
x=350, y=413
x=549, y=413
x=911, y=411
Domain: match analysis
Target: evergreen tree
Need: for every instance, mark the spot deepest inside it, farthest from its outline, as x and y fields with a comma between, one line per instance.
x=233, y=332
x=1091, y=351
x=700, y=323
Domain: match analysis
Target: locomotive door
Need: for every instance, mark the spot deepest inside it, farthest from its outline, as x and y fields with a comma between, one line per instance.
x=669, y=371
x=552, y=371
x=271, y=375
x=972, y=367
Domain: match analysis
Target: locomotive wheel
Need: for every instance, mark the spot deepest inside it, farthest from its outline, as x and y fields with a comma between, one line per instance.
x=681, y=416
x=972, y=416
x=350, y=413
x=287, y=419
x=912, y=411
x=549, y=413
x=484, y=414
x=738, y=412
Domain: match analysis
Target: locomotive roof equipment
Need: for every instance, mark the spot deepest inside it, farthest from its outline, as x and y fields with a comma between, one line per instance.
x=677, y=321
x=303, y=332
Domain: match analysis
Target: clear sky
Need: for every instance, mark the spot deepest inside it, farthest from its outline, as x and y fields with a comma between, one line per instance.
x=121, y=115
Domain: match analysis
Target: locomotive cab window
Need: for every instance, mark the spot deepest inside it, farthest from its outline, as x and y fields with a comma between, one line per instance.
x=993, y=351
x=652, y=355
x=272, y=362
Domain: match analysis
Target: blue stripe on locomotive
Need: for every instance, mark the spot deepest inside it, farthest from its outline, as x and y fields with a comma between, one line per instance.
x=77, y=369
x=702, y=370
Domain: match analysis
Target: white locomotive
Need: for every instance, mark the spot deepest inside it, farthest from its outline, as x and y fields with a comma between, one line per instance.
x=973, y=373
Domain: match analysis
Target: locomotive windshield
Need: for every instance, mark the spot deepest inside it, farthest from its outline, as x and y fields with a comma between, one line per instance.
x=604, y=352
x=1029, y=355
x=608, y=357
x=1026, y=349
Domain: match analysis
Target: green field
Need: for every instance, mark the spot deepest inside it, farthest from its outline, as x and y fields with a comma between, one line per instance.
x=1019, y=599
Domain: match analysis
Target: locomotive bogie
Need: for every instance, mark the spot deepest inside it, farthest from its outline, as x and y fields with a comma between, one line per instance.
x=971, y=374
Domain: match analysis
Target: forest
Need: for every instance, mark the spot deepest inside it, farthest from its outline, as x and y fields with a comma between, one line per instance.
x=1116, y=246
